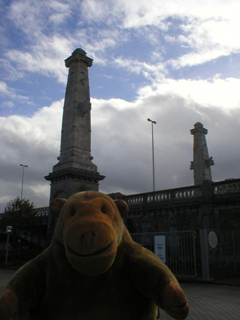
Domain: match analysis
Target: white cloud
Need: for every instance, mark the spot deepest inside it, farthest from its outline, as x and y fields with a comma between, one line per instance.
x=152, y=72
x=221, y=93
x=33, y=17
x=206, y=30
x=201, y=57
x=136, y=13
x=10, y=72
x=218, y=93
x=8, y=104
x=121, y=141
x=3, y=88
x=207, y=40
x=121, y=136
x=223, y=32
x=34, y=141
x=210, y=31
x=5, y=91
x=41, y=24
x=28, y=136
x=61, y=11
x=46, y=57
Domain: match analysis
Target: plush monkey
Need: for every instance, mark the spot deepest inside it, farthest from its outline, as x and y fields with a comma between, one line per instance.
x=92, y=270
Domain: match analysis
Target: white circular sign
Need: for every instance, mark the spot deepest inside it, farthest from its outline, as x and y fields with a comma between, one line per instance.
x=212, y=239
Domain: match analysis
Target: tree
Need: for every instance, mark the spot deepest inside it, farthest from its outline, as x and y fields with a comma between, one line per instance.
x=20, y=214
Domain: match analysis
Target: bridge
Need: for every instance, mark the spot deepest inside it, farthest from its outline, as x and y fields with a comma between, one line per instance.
x=185, y=208
x=189, y=217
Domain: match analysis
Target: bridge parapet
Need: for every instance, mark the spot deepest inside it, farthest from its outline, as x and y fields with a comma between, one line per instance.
x=137, y=199
x=42, y=212
x=173, y=196
x=158, y=197
x=169, y=195
x=228, y=186
x=185, y=194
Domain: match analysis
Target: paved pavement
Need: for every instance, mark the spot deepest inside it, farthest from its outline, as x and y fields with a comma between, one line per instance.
x=207, y=301
x=211, y=302
x=5, y=276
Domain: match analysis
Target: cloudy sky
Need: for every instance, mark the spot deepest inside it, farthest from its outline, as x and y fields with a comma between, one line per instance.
x=176, y=62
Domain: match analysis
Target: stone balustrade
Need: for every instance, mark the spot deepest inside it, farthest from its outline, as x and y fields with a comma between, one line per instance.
x=42, y=211
x=183, y=194
x=227, y=186
x=164, y=196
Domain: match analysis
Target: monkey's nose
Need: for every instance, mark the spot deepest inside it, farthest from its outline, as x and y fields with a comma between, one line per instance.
x=87, y=239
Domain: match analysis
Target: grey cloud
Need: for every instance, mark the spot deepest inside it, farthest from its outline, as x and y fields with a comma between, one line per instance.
x=125, y=156
x=31, y=141
x=121, y=146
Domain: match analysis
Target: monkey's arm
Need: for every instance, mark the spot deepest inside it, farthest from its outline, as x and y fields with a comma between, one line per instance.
x=22, y=292
x=155, y=281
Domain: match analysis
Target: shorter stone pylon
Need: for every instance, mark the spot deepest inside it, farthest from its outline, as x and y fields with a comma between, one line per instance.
x=201, y=162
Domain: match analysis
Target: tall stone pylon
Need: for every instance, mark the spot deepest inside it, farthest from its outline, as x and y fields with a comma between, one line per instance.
x=201, y=162
x=75, y=170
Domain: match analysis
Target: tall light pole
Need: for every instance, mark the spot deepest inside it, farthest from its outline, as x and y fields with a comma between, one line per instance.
x=153, y=122
x=24, y=166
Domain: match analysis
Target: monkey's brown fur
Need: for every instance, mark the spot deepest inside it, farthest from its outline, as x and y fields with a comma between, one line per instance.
x=92, y=270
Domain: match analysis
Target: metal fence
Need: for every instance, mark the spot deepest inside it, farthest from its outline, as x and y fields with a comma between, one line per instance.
x=180, y=251
x=224, y=259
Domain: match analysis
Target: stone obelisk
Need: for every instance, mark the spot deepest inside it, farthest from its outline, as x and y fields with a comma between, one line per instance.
x=75, y=170
x=201, y=162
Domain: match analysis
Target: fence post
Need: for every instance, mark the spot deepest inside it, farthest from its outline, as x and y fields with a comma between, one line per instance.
x=234, y=253
x=6, y=261
x=204, y=254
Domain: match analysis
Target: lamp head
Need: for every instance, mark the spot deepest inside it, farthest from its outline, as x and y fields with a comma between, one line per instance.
x=151, y=121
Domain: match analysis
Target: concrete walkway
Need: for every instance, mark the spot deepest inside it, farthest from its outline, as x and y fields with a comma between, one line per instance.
x=211, y=302
x=5, y=276
x=207, y=301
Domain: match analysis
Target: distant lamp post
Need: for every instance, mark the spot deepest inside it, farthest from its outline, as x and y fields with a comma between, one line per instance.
x=24, y=166
x=153, y=122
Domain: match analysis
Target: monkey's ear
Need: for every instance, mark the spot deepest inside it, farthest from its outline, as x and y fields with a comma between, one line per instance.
x=56, y=206
x=122, y=207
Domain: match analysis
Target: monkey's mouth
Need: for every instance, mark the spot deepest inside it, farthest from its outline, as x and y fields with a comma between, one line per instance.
x=99, y=252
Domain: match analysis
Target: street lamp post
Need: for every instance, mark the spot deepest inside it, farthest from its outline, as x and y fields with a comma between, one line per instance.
x=24, y=166
x=153, y=122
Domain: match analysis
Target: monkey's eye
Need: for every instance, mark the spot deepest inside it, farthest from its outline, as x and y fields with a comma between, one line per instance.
x=104, y=209
x=72, y=212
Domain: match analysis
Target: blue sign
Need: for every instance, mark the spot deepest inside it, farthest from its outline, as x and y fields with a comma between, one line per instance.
x=160, y=248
